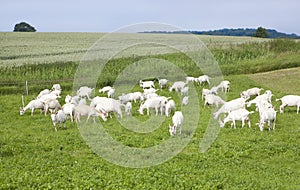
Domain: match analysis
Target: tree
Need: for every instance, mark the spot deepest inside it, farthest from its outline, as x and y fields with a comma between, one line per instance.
x=261, y=32
x=24, y=27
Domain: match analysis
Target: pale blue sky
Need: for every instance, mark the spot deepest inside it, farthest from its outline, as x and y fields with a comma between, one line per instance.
x=109, y=15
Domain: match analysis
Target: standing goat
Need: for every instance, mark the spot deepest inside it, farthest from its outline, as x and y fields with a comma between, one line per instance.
x=58, y=118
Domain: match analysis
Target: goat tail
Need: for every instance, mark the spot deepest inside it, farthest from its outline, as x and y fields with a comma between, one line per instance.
x=278, y=99
x=251, y=112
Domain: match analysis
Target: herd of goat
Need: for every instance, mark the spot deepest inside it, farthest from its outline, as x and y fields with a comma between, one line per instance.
x=82, y=104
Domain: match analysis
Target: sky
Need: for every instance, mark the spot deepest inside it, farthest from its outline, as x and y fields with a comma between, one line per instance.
x=110, y=15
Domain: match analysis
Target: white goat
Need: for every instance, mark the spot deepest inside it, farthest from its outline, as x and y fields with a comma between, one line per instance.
x=169, y=106
x=85, y=110
x=56, y=92
x=72, y=99
x=202, y=79
x=108, y=105
x=105, y=89
x=68, y=109
x=162, y=83
x=43, y=92
x=289, y=100
x=267, y=115
x=128, y=108
x=149, y=90
x=190, y=79
x=47, y=97
x=225, y=86
x=156, y=103
x=177, y=120
x=146, y=84
x=52, y=105
x=32, y=105
x=185, y=101
x=214, y=90
x=124, y=98
x=177, y=86
x=149, y=96
x=111, y=93
x=211, y=99
x=259, y=98
x=237, y=115
x=205, y=92
x=232, y=105
x=184, y=91
x=58, y=118
x=134, y=96
x=85, y=91
x=56, y=87
x=251, y=92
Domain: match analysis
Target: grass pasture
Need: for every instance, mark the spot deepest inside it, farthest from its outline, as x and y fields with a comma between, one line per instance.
x=33, y=156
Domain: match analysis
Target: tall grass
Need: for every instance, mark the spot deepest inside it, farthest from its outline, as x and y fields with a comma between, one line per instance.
x=242, y=58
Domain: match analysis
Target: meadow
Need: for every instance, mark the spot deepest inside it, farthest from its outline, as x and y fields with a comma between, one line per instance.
x=34, y=156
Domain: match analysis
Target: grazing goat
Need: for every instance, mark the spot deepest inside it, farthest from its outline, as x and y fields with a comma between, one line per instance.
x=105, y=89
x=251, y=92
x=177, y=120
x=162, y=83
x=205, y=92
x=47, y=97
x=232, y=105
x=128, y=108
x=202, y=79
x=136, y=96
x=146, y=84
x=156, y=103
x=185, y=101
x=151, y=95
x=111, y=93
x=149, y=90
x=85, y=91
x=52, y=105
x=190, y=79
x=177, y=86
x=43, y=92
x=289, y=100
x=225, y=86
x=85, y=110
x=124, y=98
x=107, y=105
x=184, y=91
x=211, y=99
x=237, y=115
x=259, y=98
x=58, y=118
x=32, y=105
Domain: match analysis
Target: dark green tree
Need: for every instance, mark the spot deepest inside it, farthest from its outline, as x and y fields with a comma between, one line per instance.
x=24, y=27
x=261, y=32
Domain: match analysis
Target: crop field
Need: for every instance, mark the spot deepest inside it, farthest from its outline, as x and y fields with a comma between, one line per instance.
x=34, y=156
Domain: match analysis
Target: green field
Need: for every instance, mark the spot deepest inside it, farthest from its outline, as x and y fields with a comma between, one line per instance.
x=34, y=156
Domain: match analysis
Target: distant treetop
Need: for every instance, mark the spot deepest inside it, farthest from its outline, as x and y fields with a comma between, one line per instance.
x=271, y=33
x=24, y=27
x=261, y=32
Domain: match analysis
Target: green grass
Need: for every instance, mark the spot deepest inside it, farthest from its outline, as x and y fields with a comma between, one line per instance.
x=285, y=80
x=32, y=155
